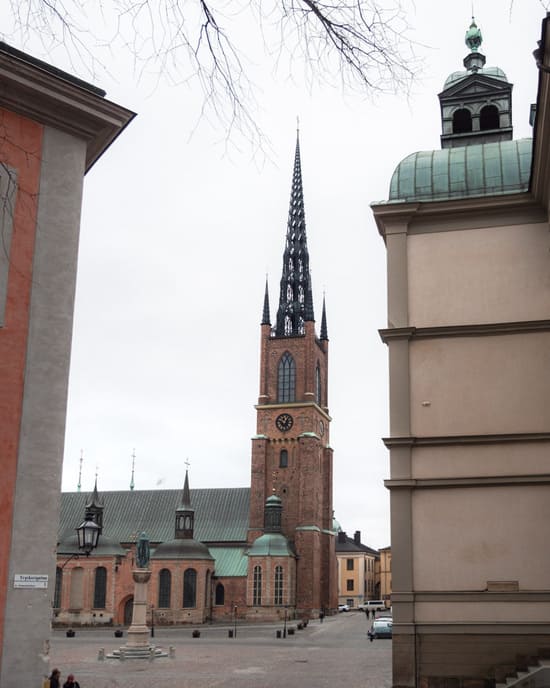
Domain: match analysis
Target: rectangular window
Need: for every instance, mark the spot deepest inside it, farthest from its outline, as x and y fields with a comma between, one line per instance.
x=278, y=585
x=349, y=584
x=257, y=587
x=349, y=564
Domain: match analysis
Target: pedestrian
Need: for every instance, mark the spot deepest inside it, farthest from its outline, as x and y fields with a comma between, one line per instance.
x=55, y=678
x=321, y=615
x=70, y=682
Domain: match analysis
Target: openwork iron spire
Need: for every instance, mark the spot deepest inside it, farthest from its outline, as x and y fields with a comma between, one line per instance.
x=295, y=299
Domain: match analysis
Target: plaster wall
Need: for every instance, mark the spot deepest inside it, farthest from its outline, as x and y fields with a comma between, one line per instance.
x=491, y=275
x=502, y=611
x=480, y=385
x=463, y=538
x=515, y=458
x=42, y=427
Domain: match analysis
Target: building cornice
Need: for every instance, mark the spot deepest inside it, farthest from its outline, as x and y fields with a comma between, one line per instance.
x=447, y=440
x=55, y=99
x=293, y=405
x=477, y=481
x=471, y=330
x=457, y=214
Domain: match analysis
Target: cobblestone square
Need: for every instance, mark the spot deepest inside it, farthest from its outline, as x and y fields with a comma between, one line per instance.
x=336, y=652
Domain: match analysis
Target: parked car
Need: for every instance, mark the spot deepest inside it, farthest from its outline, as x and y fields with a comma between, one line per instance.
x=381, y=628
x=343, y=607
x=372, y=605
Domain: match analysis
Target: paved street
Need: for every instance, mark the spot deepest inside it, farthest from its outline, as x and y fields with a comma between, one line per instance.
x=336, y=652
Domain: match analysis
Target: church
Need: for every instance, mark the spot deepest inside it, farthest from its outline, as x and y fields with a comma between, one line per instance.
x=263, y=552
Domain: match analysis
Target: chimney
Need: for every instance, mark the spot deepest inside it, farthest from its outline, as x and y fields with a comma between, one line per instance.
x=341, y=537
x=357, y=537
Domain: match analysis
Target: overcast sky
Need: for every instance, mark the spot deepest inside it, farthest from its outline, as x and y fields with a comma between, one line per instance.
x=178, y=234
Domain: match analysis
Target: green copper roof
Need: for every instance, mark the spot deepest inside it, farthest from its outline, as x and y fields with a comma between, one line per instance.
x=485, y=169
x=493, y=72
x=271, y=545
x=230, y=561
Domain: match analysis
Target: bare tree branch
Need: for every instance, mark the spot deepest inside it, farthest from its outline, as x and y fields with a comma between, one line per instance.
x=360, y=44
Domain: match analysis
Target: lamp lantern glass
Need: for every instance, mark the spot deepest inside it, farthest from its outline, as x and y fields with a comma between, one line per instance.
x=88, y=535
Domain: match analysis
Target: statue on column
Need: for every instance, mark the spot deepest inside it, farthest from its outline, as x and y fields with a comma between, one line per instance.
x=142, y=552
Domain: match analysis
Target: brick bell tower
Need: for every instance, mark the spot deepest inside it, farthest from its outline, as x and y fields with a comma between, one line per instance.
x=291, y=456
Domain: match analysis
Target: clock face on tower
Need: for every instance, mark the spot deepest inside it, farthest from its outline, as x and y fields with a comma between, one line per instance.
x=284, y=422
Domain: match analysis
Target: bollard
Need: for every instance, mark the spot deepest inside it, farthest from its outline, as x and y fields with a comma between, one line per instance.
x=172, y=652
x=101, y=654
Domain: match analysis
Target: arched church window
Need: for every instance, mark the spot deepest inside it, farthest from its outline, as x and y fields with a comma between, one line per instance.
x=286, y=379
x=77, y=588
x=190, y=588
x=462, y=121
x=220, y=594
x=318, y=384
x=165, y=587
x=283, y=458
x=100, y=587
x=278, y=585
x=257, y=586
x=489, y=118
x=58, y=586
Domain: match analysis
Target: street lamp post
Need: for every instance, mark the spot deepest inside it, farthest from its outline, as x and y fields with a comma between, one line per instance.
x=152, y=621
x=284, y=627
x=87, y=535
x=235, y=621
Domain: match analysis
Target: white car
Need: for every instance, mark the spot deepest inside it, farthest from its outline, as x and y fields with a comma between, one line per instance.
x=343, y=607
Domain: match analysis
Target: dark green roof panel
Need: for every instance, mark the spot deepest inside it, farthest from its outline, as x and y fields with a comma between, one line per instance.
x=485, y=169
x=221, y=514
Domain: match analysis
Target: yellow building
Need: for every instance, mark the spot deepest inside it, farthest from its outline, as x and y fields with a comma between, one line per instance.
x=384, y=574
x=357, y=565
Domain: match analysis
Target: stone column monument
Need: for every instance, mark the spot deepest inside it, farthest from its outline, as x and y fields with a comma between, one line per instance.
x=138, y=634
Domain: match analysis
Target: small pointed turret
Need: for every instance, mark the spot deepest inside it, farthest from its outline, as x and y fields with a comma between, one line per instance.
x=94, y=507
x=185, y=514
x=266, y=318
x=273, y=515
x=295, y=299
x=324, y=332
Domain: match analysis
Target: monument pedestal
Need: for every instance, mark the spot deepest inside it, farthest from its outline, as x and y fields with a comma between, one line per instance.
x=138, y=633
x=138, y=645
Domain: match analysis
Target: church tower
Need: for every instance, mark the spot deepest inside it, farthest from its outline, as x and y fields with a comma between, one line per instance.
x=476, y=104
x=291, y=455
